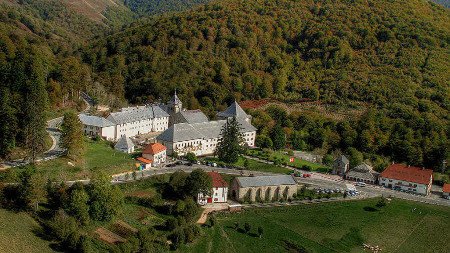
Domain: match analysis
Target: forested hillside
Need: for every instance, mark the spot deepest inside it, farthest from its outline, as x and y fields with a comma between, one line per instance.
x=445, y=3
x=390, y=55
x=150, y=7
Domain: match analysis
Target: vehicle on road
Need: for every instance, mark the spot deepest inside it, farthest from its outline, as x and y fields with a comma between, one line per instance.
x=360, y=184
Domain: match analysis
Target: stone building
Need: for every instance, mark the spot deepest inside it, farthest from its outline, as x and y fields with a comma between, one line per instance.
x=363, y=173
x=341, y=165
x=263, y=188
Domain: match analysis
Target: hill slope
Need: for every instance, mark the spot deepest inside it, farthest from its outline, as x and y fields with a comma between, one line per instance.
x=336, y=51
x=149, y=7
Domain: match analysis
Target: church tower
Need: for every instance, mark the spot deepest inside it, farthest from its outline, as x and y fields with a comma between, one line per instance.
x=174, y=105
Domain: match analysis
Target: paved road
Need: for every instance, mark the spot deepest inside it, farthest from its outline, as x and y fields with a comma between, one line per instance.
x=332, y=182
x=52, y=129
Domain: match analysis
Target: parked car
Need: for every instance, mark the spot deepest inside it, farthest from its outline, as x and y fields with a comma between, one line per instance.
x=214, y=164
x=306, y=175
x=361, y=184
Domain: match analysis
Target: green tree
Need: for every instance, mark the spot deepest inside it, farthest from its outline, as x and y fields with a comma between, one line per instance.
x=263, y=141
x=72, y=135
x=278, y=137
x=77, y=205
x=35, y=106
x=191, y=157
x=198, y=182
x=105, y=200
x=260, y=231
x=8, y=123
x=247, y=227
x=177, y=183
x=229, y=146
x=355, y=157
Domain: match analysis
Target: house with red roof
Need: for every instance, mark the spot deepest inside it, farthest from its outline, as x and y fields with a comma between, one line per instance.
x=144, y=163
x=407, y=178
x=446, y=191
x=155, y=152
x=219, y=191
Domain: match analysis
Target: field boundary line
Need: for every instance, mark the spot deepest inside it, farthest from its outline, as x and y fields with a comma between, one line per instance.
x=414, y=229
x=293, y=231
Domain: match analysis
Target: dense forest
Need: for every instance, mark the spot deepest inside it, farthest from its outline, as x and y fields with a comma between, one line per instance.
x=390, y=55
x=150, y=7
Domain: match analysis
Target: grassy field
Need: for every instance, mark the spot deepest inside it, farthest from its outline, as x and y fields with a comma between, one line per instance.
x=332, y=227
x=17, y=234
x=257, y=166
x=298, y=163
x=99, y=156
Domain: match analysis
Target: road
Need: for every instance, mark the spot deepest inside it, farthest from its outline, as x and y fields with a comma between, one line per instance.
x=52, y=129
x=332, y=182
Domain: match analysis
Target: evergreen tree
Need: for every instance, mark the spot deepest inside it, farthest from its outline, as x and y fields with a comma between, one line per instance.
x=72, y=135
x=8, y=124
x=78, y=204
x=34, y=108
x=229, y=147
x=278, y=137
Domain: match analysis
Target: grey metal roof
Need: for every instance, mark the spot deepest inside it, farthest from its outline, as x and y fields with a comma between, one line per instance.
x=180, y=132
x=94, y=121
x=189, y=116
x=132, y=114
x=343, y=159
x=234, y=110
x=158, y=112
x=174, y=100
x=266, y=181
x=363, y=171
x=124, y=143
x=204, y=130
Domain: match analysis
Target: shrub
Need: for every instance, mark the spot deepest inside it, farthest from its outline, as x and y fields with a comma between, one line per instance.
x=247, y=227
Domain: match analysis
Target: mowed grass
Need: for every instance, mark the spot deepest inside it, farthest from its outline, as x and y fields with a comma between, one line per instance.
x=332, y=227
x=99, y=156
x=17, y=234
x=298, y=163
x=262, y=167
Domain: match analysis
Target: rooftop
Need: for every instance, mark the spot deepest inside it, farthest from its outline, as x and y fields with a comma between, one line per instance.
x=217, y=180
x=408, y=173
x=266, y=181
x=154, y=148
x=94, y=121
x=132, y=114
x=446, y=188
x=234, y=110
x=204, y=130
x=190, y=116
x=144, y=160
x=124, y=143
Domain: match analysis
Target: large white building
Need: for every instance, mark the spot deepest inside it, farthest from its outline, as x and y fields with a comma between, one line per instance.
x=130, y=121
x=97, y=126
x=407, y=178
x=202, y=136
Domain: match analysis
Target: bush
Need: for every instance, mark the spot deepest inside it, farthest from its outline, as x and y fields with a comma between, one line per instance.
x=247, y=227
x=171, y=224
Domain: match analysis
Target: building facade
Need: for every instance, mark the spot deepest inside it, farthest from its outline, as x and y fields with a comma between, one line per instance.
x=341, y=165
x=97, y=126
x=362, y=173
x=156, y=152
x=202, y=137
x=407, y=178
x=219, y=190
x=263, y=188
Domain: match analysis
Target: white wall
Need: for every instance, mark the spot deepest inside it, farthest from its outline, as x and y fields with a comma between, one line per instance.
x=405, y=185
x=219, y=195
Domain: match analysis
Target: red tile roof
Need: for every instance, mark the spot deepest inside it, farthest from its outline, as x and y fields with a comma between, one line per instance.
x=144, y=160
x=407, y=173
x=446, y=188
x=217, y=180
x=154, y=148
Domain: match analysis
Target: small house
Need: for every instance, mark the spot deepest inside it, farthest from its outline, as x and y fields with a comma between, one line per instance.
x=144, y=163
x=125, y=145
x=341, y=165
x=155, y=152
x=219, y=191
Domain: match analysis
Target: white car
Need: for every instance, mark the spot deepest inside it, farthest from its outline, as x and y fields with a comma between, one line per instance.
x=361, y=184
